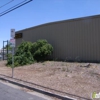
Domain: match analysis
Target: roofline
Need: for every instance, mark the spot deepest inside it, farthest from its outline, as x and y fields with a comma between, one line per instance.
x=68, y=20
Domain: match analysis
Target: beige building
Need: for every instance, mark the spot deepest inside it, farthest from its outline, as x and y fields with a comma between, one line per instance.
x=73, y=40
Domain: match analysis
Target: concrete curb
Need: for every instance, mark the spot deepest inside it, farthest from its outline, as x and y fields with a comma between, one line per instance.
x=38, y=90
x=62, y=97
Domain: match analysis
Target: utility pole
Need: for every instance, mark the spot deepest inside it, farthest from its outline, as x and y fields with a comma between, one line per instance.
x=12, y=41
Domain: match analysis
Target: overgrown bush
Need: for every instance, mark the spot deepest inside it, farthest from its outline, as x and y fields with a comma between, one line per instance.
x=9, y=61
x=28, y=52
x=24, y=47
x=41, y=49
x=23, y=55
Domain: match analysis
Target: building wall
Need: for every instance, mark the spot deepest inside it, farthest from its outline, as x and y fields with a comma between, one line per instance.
x=76, y=39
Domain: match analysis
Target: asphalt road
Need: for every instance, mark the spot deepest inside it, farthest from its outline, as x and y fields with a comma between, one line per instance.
x=10, y=93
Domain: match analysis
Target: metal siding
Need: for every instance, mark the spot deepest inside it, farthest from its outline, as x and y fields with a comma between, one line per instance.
x=72, y=40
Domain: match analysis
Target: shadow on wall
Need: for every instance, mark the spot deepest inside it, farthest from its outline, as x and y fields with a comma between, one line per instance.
x=77, y=59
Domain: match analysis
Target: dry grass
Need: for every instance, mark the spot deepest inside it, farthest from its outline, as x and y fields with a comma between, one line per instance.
x=75, y=78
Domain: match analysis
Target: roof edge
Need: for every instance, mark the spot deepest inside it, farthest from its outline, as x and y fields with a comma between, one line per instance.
x=74, y=19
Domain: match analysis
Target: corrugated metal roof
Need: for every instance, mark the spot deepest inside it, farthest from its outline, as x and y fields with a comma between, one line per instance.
x=62, y=21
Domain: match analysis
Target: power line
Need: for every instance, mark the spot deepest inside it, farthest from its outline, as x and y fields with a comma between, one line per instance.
x=14, y=7
x=6, y=3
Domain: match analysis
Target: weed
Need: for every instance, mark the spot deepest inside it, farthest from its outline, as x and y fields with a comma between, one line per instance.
x=43, y=64
x=93, y=73
x=63, y=69
x=52, y=64
x=67, y=70
x=62, y=64
x=70, y=71
x=66, y=75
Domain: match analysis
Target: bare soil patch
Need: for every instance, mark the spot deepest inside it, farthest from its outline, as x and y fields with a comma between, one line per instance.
x=79, y=79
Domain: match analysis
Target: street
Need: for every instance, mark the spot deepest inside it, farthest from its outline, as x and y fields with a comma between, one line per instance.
x=9, y=93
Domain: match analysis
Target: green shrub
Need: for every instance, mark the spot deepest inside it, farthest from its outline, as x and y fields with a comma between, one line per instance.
x=24, y=47
x=9, y=61
x=22, y=56
x=28, y=52
x=41, y=49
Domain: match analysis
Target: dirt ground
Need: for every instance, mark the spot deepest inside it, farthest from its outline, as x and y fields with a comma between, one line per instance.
x=80, y=79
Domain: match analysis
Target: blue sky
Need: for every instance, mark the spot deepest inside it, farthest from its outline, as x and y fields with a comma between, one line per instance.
x=43, y=11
